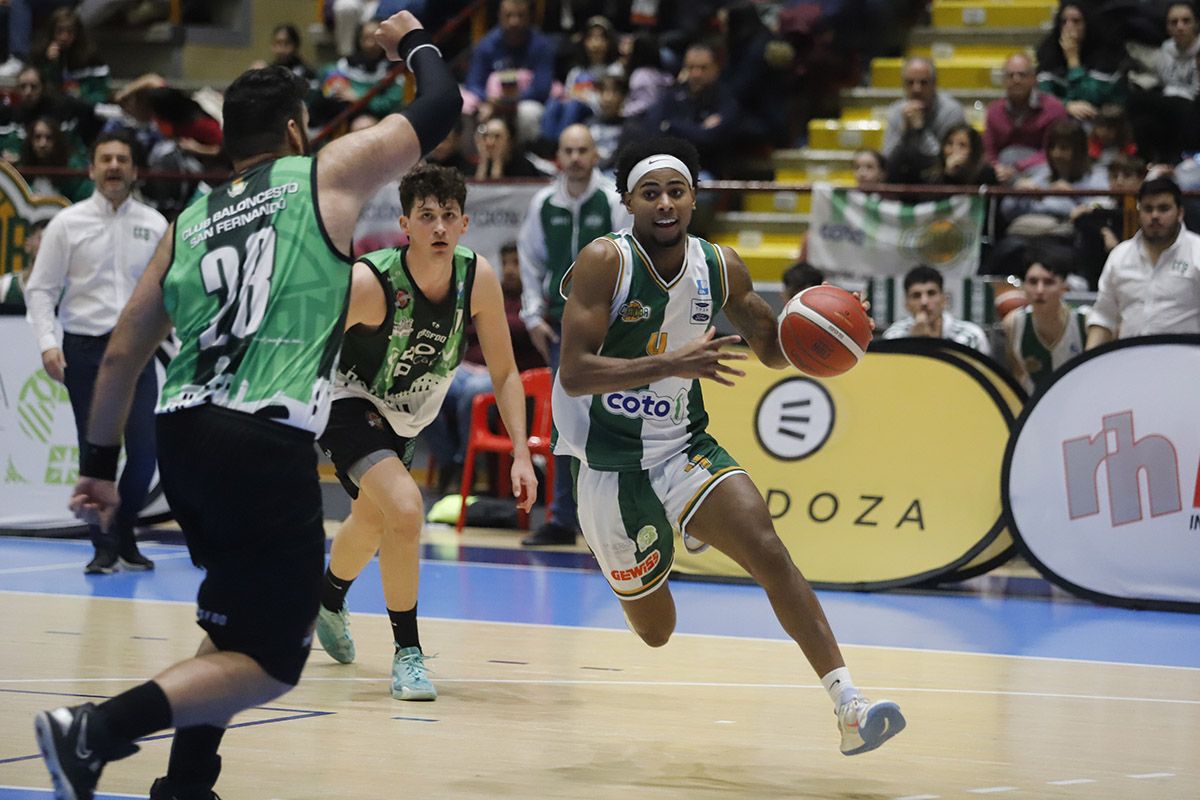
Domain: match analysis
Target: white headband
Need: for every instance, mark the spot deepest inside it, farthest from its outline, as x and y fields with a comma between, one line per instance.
x=659, y=161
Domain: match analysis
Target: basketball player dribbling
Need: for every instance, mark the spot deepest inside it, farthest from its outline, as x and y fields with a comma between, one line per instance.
x=637, y=336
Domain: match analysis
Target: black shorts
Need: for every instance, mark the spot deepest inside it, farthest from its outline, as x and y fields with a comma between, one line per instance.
x=357, y=436
x=246, y=494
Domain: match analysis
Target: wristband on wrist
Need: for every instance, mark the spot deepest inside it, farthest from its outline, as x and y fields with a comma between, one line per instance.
x=99, y=461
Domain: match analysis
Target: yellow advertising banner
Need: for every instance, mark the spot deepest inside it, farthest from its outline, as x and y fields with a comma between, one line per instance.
x=885, y=476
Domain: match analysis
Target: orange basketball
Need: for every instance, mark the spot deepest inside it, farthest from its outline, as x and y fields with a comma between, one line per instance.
x=1010, y=301
x=824, y=331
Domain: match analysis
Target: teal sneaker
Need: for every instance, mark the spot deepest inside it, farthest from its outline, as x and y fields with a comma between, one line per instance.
x=410, y=679
x=333, y=630
x=865, y=725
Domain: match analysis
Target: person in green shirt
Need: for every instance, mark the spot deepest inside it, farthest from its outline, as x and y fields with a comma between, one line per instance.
x=392, y=378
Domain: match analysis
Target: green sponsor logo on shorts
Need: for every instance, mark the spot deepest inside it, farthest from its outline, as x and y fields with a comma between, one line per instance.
x=646, y=537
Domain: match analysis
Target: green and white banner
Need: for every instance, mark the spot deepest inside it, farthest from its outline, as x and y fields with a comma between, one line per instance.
x=855, y=231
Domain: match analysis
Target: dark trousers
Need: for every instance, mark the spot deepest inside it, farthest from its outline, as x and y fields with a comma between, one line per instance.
x=83, y=355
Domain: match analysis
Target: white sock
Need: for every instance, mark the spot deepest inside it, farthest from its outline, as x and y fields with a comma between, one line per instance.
x=839, y=686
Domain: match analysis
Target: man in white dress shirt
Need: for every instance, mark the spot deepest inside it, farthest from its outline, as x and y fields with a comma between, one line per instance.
x=1150, y=283
x=91, y=256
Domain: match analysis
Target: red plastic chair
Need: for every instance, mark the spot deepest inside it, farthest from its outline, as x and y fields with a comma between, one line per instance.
x=537, y=385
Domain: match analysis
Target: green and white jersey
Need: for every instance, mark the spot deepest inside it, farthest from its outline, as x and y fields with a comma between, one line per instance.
x=406, y=365
x=258, y=294
x=1041, y=359
x=639, y=428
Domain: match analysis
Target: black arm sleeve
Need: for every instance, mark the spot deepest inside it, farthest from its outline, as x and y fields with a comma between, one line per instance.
x=438, y=103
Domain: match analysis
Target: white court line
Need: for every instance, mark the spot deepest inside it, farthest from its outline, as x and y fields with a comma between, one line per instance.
x=75, y=565
x=670, y=685
x=920, y=797
x=1072, y=782
x=1152, y=775
x=993, y=790
x=49, y=792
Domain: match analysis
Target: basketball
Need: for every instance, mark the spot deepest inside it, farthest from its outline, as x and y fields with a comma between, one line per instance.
x=824, y=331
x=1010, y=301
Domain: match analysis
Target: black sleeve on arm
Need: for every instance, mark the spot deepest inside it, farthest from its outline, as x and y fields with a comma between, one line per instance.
x=438, y=103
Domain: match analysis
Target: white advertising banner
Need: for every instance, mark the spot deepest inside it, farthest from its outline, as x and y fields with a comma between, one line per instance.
x=1101, y=478
x=39, y=452
x=496, y=211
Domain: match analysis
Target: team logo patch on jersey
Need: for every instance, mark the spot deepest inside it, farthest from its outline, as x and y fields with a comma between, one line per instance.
x=702, y=287
x=237, y=187
x=402, y=298
x=375, y=420
x=634, y=311
x=647, y=536
x=701, y=312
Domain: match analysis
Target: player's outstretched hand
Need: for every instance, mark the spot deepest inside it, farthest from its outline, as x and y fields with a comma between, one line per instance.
x=704, y=358
x=866, y=304
x=524, y=483
x=393, y=29
x=95, y=502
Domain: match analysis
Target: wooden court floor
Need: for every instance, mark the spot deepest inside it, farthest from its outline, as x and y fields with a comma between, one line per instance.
x=556, y=711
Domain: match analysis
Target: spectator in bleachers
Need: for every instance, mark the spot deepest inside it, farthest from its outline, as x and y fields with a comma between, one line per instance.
x=346, y=16
x=449, y=152
x=798, y=277
x=47, y=146
x=68, y=60
x=1111, y=135
x=1150, y=283
x=512, y=71
x=596, y=58
x=1098, y=227
x=701, y=109
x=870, y=168
x=22, y=16
x=35, y=99
x=500, y=155
x=447, y=435
x=961, y=161
x=648, y=81
x=1044, y=334
x=917, y=122
x=349, y=78
x=285, y=52
x=1078, y=65
x=1165, y=119
x=757, y=75
x=927, y=315
x=609, y=126
x=1014, y=136
x=1067, y=166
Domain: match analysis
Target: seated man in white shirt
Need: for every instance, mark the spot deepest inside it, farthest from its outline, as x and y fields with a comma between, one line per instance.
x=927, y=314
x=1150, y=283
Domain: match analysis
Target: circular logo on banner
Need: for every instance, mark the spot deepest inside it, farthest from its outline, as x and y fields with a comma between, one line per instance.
x=794, y=418
x=1101, y=479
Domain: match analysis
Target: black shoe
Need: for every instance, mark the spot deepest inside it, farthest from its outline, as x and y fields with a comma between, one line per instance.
x=103, y=563
x=550, y=533
x=131, y=559
x=68, y=740
x=165, y=789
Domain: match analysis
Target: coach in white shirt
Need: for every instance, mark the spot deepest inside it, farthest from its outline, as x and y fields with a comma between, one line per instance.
x=927, y=315
x=1151, y=283
x=91, y=257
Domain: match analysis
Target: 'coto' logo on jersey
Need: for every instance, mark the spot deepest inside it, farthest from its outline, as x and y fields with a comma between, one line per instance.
x=648, y=405
x=634, y=311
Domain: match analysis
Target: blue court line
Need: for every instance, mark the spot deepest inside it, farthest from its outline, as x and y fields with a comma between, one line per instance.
x=542, y=595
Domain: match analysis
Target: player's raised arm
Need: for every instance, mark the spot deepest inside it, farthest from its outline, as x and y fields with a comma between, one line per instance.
x=582, y=370
x=750, y=314
x=353, y=167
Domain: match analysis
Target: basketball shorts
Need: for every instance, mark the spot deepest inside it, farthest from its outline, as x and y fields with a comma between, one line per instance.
x=246, y=494
x=629, y=519
x=357, y=437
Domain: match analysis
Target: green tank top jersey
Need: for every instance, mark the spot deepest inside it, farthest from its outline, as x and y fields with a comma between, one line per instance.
x=639, y=428
x=405, y=366
x=258, y=295
x=1039, y=359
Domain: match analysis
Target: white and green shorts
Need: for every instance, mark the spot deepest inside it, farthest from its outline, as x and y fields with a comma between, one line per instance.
x=629, y=518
